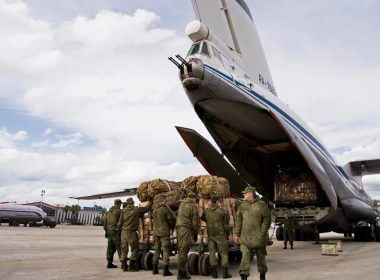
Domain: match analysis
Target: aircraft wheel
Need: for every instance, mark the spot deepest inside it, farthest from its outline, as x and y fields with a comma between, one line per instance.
x=280, y=234
x=204, y=265
x=363, y=234
x=148, y=260
x=192, y=263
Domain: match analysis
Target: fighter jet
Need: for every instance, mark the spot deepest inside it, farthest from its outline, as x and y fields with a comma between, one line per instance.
x=263, y=142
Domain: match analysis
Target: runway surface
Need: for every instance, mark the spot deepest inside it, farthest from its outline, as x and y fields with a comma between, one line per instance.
x=78, y=252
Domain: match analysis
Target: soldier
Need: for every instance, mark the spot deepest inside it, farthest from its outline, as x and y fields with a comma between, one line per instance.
x=218, y=230
x=187, y=231
x=163, y=222
x=288, y=231
x=128, y=224
x=113, y=236
x=252, y=223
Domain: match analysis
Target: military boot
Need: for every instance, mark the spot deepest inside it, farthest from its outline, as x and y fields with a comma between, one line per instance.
x=262, y=275
x=166, y=271
x=182, y=275
x=243, y=277
x=225, y=273
x=110, y=264
x=214, y=271
x=124, y=266
x=291, y=246
x=155, y=268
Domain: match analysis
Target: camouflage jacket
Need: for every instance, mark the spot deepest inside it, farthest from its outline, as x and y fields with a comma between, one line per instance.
x=288, y=224
x=163, y=220
x=252, y=223
x=188, y=215
x=130, y=217
x=218, y=222
x=111, y=218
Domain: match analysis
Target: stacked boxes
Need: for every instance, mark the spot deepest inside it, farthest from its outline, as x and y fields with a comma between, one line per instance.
x=295, y=187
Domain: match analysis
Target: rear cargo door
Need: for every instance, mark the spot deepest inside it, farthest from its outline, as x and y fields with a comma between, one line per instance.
x=211, y=159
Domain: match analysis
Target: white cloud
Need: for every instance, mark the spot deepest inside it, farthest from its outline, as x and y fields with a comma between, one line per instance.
x=47, y=131
x=8, y=139
x=106, y=77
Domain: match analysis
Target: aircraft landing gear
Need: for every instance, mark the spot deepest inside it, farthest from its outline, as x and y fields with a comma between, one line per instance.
x=363, y=234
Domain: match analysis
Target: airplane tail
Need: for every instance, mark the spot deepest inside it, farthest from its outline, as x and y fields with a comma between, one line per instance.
x=231, y=21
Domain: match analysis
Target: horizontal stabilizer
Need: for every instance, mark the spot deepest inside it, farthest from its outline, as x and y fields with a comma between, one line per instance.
x=127, y=192
x=211, y=159
x=365, y=167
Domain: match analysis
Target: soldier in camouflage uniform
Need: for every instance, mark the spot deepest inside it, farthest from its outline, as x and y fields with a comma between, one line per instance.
x=252, y=223
x=187, y=231
x=128, y=224
x=288, y=231
x=163, y=222
x=218, y=230
x=113, y=236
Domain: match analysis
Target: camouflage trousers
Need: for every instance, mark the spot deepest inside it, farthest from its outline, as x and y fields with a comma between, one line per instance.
x=288, y=236
x=218, y=244
x=161, y=243
x=184, y=242
x=129, y=239
x=246, y=259
x=113, y=244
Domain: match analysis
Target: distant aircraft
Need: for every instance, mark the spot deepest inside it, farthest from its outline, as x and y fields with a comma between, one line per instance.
x=15, y=214
x=226, y=77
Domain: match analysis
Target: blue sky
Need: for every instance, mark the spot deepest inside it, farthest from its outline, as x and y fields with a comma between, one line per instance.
x=75, y=118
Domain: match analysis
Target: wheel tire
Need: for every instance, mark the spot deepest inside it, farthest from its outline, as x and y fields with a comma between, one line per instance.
x=148, y=261
x=204, y=265
x=192, y=264
x=363, y=234
x=280, y=234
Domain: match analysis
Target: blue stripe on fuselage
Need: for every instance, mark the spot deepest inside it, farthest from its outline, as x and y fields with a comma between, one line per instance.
x=288, y=118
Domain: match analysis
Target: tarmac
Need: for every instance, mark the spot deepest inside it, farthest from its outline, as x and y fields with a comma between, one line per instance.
x=78, y=252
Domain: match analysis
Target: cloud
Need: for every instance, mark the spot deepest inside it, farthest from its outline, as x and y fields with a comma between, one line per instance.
x=107, y=78
x=47, y=131
x=8, y=139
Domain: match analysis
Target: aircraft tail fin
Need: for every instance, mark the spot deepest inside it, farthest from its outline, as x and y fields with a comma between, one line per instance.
x=365, y=167
x=231, y=21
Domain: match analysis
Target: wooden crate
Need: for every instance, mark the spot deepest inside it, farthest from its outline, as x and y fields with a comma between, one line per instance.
x=329, y=249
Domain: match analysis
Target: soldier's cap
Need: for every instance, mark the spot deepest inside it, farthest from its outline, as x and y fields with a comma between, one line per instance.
x=249, y=189
x=191, y=195
x=130, y=201
x=117, y=201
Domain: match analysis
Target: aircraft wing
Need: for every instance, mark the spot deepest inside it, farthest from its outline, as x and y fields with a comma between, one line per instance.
x=231, y=21
x=211, y=159
x=365, y=167
x=127, y=192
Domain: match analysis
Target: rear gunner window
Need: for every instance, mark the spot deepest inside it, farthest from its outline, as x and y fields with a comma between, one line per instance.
x=194, y=49
x=205, y=49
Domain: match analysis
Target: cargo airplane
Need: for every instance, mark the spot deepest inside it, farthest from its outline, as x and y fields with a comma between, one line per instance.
x=262, y=141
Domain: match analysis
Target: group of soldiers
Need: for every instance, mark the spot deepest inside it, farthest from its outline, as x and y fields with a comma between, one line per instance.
x=252, y=223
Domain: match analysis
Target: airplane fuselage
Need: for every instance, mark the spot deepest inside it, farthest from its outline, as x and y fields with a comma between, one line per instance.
x=254, y=128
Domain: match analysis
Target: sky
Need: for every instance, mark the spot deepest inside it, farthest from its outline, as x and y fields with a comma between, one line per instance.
x=89, y=101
